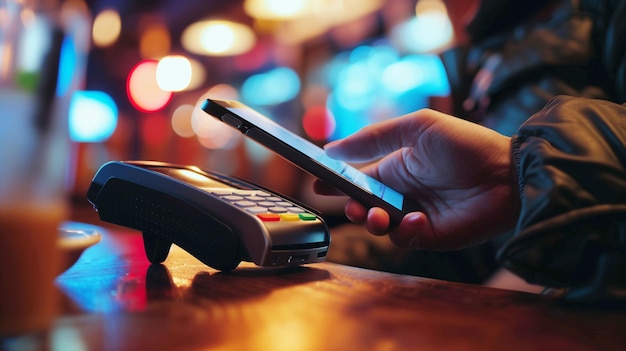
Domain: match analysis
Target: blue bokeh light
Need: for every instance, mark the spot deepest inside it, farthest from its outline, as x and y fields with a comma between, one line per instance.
x=374, y=82
x=92, y=116
x=67, y=65
x=274, y=87
x=425, y=73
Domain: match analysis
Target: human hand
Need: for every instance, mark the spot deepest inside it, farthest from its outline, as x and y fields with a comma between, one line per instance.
x=460, y=172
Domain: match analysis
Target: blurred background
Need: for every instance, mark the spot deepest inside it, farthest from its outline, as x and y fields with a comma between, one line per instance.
x=321, y=68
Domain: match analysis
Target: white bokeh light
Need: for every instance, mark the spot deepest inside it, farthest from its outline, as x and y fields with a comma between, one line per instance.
x=173, y=73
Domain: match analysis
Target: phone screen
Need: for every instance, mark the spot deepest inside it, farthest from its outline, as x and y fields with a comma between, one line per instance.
x=309, y=156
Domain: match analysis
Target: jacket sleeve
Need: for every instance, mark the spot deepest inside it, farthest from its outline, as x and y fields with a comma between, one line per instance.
x=571, y=163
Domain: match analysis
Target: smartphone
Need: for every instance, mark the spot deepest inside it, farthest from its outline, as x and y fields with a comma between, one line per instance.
x=310, y=158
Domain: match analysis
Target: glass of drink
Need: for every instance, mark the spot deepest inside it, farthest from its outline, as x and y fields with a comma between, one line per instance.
x=34, y=157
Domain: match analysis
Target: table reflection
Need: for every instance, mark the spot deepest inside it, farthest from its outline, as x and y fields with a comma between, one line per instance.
x=115, y=275
x=115, y=280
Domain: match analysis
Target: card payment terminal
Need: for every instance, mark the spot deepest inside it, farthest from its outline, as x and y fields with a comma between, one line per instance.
x=220, y=220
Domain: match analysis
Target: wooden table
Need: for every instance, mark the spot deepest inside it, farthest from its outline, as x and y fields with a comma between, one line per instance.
x=115, y=300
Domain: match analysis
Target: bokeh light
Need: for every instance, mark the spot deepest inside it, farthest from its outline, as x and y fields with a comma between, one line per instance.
x=218, y=38
x=173, y=73
x=254, y=59
x=216, y=135
x=211, y=133
x=221, y=91
x=403, y=76
x=347, y=120
x=155, y=41
x=270, y=88
x=68, y=65
x=143, y=90
x=92, y=116
x=276, y=9
x=345, y=20
x=198, y=75
x=430, y=30
x=318, y=123
x=107, y=26
x=181, y=121
x=77, y=25
x=358, y=86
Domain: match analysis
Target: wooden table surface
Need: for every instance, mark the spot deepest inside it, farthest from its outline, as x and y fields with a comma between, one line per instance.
x=113, y=299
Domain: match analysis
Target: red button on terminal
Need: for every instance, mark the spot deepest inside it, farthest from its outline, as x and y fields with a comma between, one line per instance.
x=269, y=217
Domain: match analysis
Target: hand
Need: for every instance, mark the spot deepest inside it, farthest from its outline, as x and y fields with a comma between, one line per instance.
x=461, y=173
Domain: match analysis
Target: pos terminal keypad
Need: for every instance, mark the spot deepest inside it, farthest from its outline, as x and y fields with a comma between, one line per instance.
x=264, y=205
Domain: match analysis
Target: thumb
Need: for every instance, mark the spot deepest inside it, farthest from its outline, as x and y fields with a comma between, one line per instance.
x=380, y=139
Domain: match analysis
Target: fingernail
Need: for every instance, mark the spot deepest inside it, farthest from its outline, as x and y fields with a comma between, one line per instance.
x=414, y=218
x=330, y=144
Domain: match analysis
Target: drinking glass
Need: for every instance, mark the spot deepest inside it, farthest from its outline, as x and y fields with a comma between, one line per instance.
x=35, y=91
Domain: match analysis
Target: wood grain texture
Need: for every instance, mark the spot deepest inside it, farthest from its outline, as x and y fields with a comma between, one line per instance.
x=115, y=300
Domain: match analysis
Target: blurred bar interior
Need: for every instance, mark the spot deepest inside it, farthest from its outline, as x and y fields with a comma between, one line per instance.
x=322, y=68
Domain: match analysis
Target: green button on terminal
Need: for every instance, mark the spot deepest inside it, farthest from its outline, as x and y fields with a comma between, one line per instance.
x=307, y=216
